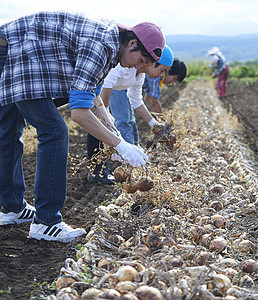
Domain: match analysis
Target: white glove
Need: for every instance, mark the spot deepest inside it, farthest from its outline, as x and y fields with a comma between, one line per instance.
x=116, y=157
x=109, y=114
x=152, y=122
x=140, y=147
x=131, y=153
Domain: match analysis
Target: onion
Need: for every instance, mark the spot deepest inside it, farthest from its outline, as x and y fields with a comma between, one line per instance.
x=197, y=233
x=246, y=246
x=90, y=294
x=64, y=281
x=249, y=266
x=141, y=250
x=171, y=140
x=127, y=273
x=148, y=293
x=218, y=221
x=144, y=184
x=206, y=239
x=130, y=187
x=175, y=262
x=124, y=287
x=204, y=258
x=121, y=174
x=158, y=128
x=217, y=205
x=209, y=228
x=109, y=295
x=217, y=189
x=128, y=296
x=67, y=293
x=218, y=244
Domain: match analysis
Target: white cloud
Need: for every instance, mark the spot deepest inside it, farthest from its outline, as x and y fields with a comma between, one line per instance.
x=174, y=16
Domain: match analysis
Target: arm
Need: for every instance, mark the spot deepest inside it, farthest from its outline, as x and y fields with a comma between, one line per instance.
x=87, y=120
x=144, y=113
x=105, y=95
x=154, y=104
x=100, y=111
x=134, y=94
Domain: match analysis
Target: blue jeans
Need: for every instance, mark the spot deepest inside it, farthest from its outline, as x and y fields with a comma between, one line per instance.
x=124, y=116
x=51, y=165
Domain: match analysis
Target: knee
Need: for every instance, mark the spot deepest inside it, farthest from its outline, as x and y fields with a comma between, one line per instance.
x=58, y=134
x=62, y=132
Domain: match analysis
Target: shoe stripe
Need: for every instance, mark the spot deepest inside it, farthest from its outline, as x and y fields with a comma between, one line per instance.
x=23, y=213
x=27, y=214
x=47, y=230
x=31, y=214
x=52, y=231
x=57, y=232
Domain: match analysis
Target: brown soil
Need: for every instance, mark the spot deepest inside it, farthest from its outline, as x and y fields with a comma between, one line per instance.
x=242, y=98
x=28, y=267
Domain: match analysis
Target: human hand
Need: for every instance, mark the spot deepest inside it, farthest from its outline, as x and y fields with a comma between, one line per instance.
x=152, y=122
x=131, y=154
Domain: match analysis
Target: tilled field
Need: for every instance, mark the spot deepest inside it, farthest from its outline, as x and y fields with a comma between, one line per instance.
x=184, y=238
x=192, y=236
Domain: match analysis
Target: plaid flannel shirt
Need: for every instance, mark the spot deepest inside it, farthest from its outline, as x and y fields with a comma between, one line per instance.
x=151, y=86
x=50, y=53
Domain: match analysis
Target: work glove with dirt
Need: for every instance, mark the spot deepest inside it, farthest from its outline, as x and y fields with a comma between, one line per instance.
x=130, y=153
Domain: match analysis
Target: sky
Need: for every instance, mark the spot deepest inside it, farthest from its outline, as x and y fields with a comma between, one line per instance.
x=204, y=17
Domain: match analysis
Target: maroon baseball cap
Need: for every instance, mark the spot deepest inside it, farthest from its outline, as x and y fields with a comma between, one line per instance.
x=150, y=35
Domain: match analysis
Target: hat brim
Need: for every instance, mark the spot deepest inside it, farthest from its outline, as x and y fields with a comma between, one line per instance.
x=123, y=26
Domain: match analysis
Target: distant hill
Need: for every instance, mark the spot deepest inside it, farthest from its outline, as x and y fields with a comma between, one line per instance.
x=236, y=48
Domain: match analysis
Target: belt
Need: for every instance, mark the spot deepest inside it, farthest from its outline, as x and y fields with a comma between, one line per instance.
x=3, y=41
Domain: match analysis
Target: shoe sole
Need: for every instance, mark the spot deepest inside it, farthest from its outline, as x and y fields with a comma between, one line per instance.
x=92, y=180
x=14, y=222
x=46, y=238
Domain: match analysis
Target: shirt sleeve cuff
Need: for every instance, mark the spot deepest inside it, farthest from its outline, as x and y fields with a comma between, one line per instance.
x=81, y=99
x=99, y=89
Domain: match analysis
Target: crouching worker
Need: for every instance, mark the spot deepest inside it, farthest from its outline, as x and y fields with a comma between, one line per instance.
x=59, y=55
x=221, y=69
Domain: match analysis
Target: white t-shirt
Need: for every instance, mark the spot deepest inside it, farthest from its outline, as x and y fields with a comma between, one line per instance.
x=120, y=78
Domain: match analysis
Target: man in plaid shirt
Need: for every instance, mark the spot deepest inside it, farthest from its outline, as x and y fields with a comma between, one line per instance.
x=58, y=55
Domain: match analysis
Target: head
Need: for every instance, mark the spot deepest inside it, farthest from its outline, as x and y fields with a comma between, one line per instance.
x=176, y=73
x=212, y=51
x=163, y=65
x=140, y=44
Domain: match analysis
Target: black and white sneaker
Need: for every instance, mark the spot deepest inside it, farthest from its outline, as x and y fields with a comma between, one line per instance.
x=26, y=215
x=60, y=232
